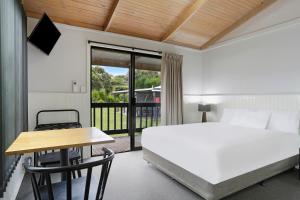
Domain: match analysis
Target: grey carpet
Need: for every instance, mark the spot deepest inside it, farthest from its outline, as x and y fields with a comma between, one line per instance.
x=131, y=178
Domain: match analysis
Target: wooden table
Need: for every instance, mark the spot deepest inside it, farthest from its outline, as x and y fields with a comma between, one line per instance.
x=63, y=139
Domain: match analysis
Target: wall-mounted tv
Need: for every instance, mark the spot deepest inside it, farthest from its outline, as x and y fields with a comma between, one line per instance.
x=44, y=35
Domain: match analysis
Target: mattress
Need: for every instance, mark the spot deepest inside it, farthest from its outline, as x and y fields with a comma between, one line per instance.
x=217, y=152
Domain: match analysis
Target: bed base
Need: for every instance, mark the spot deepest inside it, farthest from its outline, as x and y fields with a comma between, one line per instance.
x=217, y=191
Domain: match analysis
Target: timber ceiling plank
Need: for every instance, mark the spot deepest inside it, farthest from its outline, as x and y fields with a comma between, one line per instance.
x=111, y=16
x=191, y=23
x=215, y=19
x=262, y=5
x=183, y=18
x=148, y=18
x=83, y=13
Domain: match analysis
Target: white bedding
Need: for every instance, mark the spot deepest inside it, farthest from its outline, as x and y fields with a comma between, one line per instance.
x=217, y=151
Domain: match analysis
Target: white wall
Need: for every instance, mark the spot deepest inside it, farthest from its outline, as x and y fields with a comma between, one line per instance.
x=50, y=77
x=264, y=62
x=257, y=65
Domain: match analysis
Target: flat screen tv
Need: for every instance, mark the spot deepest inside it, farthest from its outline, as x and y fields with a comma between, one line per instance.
x=44, y=35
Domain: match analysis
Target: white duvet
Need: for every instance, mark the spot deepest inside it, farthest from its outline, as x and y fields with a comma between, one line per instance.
x=217, y=151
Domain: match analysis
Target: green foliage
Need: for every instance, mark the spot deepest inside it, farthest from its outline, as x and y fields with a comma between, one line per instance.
x=98, y=96
x=120, y=80
x=146, y=79
x=101, y=80
x=121, y=97
x=104, y=84
x=121, y=87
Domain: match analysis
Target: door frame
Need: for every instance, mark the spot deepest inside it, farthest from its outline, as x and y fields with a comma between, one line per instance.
x=133, y=100
x=131, y=85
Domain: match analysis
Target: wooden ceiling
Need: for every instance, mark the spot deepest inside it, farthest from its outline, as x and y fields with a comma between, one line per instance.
x=191, y=23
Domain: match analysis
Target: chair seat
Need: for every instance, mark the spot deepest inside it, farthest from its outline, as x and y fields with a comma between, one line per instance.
x=78, y=187
x=54, y=157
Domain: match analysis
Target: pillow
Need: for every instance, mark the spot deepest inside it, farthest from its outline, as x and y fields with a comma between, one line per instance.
x=251, y=119
x=227, y=115
x=285, y=121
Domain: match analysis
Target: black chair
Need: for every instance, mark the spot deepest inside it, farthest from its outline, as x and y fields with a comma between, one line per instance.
x=71, y=189
x=47, y=158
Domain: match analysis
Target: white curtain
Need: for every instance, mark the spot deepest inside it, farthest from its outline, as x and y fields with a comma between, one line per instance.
x=171, y=89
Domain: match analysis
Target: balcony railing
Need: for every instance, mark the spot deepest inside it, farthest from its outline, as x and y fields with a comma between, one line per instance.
x=112, y=118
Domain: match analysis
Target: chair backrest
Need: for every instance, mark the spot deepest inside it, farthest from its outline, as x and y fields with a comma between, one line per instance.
x=105, y=162
x=45, y=126
x=52, y=126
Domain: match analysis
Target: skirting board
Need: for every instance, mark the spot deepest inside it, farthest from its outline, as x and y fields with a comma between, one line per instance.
x=214, y=192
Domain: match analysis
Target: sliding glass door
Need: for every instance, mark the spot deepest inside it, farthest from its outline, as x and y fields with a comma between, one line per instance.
x=110, y=96
x=125, y=95
x=147, y=94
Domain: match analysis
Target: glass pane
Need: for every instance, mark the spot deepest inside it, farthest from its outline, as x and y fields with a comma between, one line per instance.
x=147, y=94
x=109, y=95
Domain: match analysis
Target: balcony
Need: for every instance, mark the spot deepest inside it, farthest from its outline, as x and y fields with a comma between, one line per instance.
x=112, y=118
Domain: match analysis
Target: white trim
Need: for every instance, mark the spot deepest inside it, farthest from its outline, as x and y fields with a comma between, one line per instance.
x=257, y=33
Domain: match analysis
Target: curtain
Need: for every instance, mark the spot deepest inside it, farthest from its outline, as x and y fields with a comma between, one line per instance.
x=171, y=89
x=13, y=82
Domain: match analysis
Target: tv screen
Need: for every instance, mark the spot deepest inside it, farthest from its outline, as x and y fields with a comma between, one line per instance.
x=44, y=35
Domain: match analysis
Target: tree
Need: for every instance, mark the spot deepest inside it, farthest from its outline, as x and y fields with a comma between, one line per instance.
x=98, y=96
x=103, y=84
x=120, y=80
x=146, y=79
x=101, y=80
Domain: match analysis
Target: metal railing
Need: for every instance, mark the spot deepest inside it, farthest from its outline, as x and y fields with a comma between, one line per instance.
x=112, y=118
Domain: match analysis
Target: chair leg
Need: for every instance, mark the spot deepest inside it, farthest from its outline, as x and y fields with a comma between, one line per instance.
x=78, y=171
x=41, y=180
x=34, y=192
x=81, y=154
x=35, y=158
x=73, y=172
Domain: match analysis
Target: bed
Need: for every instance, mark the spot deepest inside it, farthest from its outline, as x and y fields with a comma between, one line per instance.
x=217, y=159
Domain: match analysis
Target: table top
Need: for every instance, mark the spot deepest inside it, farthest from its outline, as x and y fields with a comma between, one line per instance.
x=35, y=141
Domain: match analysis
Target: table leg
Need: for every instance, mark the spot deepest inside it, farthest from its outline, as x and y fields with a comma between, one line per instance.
x=64, y=161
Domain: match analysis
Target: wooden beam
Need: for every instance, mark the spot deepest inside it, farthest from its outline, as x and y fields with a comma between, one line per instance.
x=239, y=22
x=111, y=15
x=185, y=16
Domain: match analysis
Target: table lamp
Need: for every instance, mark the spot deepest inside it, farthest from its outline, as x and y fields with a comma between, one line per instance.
x=204, y=108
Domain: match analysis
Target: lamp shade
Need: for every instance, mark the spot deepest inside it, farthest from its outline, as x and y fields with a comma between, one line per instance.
x=204, y=107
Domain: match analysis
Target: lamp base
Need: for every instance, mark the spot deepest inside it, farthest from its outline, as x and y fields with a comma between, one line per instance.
x=204, y=117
